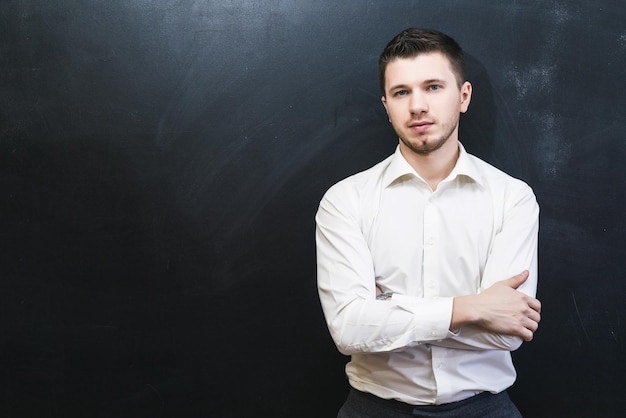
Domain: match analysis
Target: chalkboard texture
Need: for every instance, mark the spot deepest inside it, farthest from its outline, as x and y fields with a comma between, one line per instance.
x=161, y=163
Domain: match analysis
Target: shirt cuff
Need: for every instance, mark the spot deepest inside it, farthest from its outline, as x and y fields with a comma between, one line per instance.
x=432, y=315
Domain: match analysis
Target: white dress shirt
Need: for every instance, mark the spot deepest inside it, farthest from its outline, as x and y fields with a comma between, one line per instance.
x=385, y=227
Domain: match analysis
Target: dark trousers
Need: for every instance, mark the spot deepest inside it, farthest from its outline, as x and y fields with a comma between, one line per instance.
x=484, y=405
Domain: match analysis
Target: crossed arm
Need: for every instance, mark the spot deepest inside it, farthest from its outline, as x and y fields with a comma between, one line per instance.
x=501, y=315
x=500, y=309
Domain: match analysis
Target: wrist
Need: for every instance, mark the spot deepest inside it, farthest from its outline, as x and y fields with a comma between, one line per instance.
x=384, y=296
x=462, y=312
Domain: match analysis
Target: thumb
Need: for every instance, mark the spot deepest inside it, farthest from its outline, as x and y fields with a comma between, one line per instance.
x=517, y=280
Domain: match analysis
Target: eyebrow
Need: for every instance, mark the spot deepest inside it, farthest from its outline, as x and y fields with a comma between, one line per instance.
x=434, y=81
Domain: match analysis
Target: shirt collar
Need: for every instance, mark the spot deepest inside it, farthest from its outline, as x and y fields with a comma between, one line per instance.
x=399, y=167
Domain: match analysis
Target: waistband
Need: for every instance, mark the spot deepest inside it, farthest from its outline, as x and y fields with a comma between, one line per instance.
x=483, y=397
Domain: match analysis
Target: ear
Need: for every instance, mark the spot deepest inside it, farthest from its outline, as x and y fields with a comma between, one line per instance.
x=383, y=99
x=466, y=96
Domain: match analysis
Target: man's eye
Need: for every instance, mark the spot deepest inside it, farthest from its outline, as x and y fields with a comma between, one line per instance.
x=434, y=87
x=401, y=93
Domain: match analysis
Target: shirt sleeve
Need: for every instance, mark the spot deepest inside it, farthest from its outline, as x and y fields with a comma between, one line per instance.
x=514, y=250
x=358, y=323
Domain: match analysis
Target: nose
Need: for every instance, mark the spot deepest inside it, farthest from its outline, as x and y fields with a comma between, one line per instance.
x=418, y=103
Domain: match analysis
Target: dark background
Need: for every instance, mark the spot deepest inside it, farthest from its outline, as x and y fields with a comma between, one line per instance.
x=161, y=163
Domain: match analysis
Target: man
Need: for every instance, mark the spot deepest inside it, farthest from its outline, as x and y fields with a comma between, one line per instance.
x=427, y=262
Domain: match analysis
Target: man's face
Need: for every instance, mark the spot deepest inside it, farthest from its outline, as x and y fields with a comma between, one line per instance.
x=423, y=101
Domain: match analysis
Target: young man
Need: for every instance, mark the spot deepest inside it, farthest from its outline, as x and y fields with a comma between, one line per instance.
x=427, y=262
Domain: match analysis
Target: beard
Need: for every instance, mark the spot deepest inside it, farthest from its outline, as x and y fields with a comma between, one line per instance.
x=424, y=144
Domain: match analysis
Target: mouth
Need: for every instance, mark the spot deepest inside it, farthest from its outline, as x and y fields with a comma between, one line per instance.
x=420, y=126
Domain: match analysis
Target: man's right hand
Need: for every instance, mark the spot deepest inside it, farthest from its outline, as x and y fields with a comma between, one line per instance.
x=500, y=308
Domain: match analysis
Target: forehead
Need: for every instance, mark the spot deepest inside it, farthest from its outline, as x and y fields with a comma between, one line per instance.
x=423, y=67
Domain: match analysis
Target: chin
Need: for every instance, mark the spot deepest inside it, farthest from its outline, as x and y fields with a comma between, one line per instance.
x=423, y=146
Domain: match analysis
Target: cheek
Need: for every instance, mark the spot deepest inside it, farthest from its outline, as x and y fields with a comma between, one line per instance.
x=394, y=112
x=456, y=105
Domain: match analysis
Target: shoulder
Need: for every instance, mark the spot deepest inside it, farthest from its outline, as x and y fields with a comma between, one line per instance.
x=358, y=184
x=496, y=177
x=503, y=187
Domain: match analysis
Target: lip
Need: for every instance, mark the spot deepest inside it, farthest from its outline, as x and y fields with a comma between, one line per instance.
x=420, y=126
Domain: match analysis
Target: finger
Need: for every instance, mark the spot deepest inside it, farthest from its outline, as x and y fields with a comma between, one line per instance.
x=527, y=334
x=531, y=324
x=534, y=316
x=534, y=304
x=517, y=280
x=538, y=305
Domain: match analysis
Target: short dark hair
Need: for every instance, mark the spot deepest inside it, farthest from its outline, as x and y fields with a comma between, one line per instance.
x=413, y=42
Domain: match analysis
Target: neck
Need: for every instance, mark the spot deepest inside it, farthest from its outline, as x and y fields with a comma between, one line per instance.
x=434, y=166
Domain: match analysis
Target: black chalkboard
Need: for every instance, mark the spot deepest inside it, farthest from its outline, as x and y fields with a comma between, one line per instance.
x=161, y=163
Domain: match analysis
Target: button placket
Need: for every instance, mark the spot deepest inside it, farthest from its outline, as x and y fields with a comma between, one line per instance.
x=430, y=240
